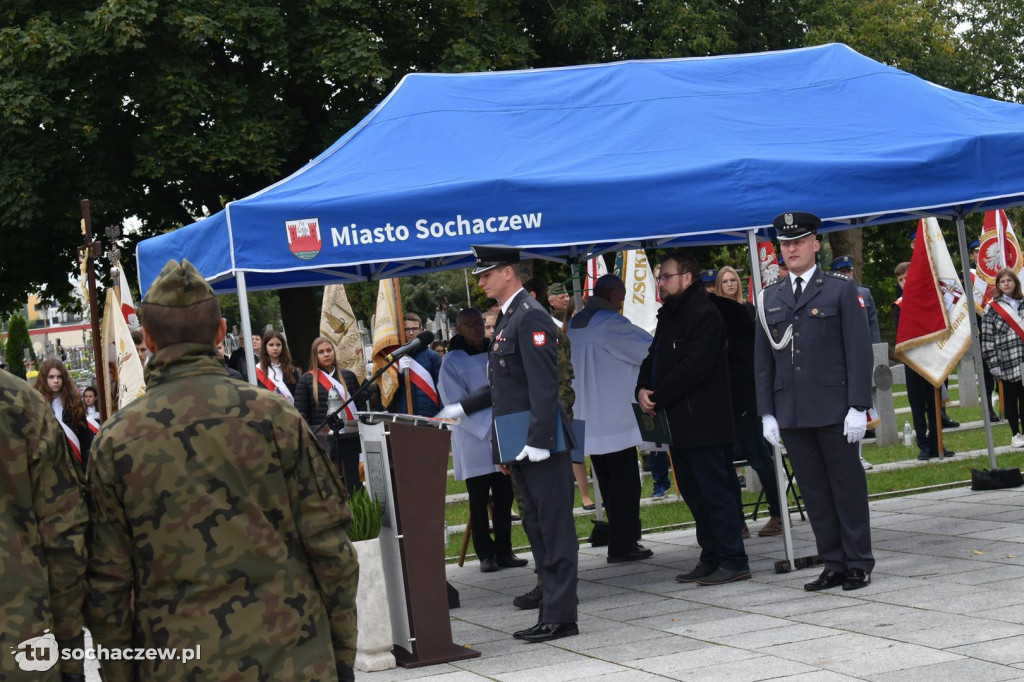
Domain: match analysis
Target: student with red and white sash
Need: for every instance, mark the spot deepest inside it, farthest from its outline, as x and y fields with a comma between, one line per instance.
x=314, y=387
x=56, y=385
x=1002, y=345
x=424, y=368
x=274, y=371
x=92, y=415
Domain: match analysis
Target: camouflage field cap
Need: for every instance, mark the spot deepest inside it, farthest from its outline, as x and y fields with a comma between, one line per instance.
x=179, y=285
x=557, y=289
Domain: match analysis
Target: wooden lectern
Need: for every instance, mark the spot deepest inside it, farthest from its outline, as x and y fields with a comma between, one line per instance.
x=409, y=477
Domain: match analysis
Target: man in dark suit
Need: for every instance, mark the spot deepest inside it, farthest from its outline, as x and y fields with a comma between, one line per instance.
x=523, y=376
x=813, y=366
x=686, y=374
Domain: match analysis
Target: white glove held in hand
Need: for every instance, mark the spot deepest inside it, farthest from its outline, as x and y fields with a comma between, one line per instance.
x=855, y=425
x=770, y=430
x=453, y=411
x=404, y=363
x=996, y=372
x=535, y=454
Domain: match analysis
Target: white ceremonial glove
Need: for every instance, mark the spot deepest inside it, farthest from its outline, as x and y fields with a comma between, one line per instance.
x=996, y=372
x=855, y=425
x=770, y=430
x=404, y=363
x=535, y=454
x=453, y=411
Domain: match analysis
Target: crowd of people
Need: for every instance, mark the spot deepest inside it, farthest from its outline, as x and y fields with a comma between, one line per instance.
x=205, y=519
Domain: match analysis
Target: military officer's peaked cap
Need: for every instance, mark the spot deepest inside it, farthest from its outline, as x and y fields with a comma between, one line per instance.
x=179, y=285
x=795, y=224
x=490, y=257
x=974, y=245
x=709, y=276
x=842, y=263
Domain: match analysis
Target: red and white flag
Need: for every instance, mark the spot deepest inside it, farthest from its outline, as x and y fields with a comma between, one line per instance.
x=127, y=304
x=596, y=269
x=998, y=248
x=768, y=264
x=934, y=331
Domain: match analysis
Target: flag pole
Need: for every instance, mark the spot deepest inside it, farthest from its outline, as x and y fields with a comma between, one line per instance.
x=90, y=250
x=965, y=263
x=400, y=323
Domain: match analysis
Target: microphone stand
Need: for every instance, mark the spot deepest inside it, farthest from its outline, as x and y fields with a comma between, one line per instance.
x=337, y=423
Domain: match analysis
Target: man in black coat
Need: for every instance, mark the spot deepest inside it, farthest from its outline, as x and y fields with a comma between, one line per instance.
x=686, y=373
x=523, y=377
x=813, y=366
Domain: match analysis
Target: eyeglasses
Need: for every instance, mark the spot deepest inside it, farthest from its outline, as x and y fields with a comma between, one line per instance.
x=665, y=278
x=412, y=331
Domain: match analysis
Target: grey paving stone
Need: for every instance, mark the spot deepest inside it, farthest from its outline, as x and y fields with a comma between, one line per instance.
x=819, y=676
x=1006, y=651
x=956, y=631
x=748, y=670
x=985, y=575
x=627, y=653
x=670, y=664
x=895, y=657
x=729, y=626
x=952, y=671
x=528, y=656
x=585, y=669
x=822, y=651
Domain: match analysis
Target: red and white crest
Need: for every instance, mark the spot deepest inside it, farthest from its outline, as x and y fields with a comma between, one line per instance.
x=540, y=338
x=304, y=237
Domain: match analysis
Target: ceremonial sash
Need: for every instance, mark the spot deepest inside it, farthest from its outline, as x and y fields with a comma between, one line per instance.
x=76, y=447
x=93, y=422
x=1011, y=317
x=327, y=381
x=420, y=377
x=268, y=382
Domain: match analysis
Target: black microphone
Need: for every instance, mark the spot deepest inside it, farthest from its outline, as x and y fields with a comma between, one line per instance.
x=424, y=339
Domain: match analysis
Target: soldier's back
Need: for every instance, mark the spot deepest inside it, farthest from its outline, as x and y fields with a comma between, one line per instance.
x=198, y=508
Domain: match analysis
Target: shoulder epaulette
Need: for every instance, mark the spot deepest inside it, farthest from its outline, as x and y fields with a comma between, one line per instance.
x=838, y=275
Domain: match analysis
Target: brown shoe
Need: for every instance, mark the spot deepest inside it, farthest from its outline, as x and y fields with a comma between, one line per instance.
x=771, y=529
x=745, y=533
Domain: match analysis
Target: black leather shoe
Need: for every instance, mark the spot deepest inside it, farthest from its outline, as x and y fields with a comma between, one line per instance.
x=826, y=580
x=488, y=566
x=699, y=571
x=925, y=454
x=522, y=633
x=856, y=578
x=948, y=422
x=639, y=553
x=510, y=561
x=993, y=417
x=545, y=632
x=530, y=600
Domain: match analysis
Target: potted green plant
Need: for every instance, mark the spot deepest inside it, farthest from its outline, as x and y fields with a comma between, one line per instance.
x=373, y=648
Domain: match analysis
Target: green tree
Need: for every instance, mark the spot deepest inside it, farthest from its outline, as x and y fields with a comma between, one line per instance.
x=17, y=341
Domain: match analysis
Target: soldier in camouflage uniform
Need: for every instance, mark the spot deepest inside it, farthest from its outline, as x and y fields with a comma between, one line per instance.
x=212, y=502
x=42, y=535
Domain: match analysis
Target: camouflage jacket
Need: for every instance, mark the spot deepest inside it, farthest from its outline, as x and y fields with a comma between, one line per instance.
x=566, y=393
x=212, y=502
x=43, y=521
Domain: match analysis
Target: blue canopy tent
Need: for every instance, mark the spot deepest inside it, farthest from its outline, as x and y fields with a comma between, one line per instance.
x=571, y=160
x=579, y=160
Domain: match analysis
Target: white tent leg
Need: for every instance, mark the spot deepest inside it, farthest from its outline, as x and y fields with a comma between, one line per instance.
x=986, y=406
x=243, y=311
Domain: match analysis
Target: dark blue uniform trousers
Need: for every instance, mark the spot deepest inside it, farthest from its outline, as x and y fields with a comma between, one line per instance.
x=702, y=475
x=549, y=523
x=835, y=491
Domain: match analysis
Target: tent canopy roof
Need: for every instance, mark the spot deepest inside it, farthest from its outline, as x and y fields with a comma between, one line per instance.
x=572, y=160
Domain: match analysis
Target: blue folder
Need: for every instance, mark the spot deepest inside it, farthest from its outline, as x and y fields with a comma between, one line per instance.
x=511, y=430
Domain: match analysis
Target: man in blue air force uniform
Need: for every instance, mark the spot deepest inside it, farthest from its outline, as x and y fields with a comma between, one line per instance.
x=523, y=376
x=813, y=365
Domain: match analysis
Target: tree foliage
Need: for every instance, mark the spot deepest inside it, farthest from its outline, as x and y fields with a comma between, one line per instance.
x=18, y=340
x=164, y=111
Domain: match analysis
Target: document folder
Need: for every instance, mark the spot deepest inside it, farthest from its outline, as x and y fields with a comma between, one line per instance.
x=653, y=429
